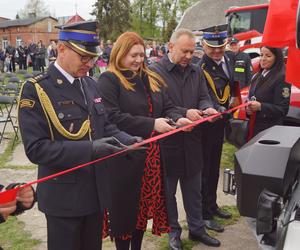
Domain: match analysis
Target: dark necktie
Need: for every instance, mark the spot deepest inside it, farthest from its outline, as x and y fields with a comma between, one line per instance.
x=222, y=68
x=78, y=85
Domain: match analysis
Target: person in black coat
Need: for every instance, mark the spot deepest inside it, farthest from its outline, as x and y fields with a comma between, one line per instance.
x=217, y=68
x=139, y=105
x=32, y=49
x=11, y=52
x=63, y=123
x=269, y=92
x=40, y=56
x=23, y=52
x=182, y=153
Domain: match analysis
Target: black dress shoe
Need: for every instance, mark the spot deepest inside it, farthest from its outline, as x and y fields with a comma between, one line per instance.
x=222, y=214
x=175, y=243
x=213, y=225
x=205, y=239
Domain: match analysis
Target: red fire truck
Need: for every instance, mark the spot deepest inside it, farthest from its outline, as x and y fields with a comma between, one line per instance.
x=247, y=24
x=266, y=177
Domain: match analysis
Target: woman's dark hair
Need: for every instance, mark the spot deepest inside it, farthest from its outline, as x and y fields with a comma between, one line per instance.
x=278, y=68
x=278, y=65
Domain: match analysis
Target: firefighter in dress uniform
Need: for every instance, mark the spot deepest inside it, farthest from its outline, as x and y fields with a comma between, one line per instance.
x=217, y=68
x=63, y=124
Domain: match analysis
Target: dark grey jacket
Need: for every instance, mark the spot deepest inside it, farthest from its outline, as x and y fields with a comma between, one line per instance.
x=182, y=152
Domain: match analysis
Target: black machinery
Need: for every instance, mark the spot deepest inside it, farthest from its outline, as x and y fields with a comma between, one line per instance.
x=265, y=179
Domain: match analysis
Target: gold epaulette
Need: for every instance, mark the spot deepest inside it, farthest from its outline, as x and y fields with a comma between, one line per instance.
x=32, y=80
x=37, y=78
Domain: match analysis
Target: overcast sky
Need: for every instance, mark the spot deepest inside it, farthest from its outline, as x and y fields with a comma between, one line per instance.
x=9, y=8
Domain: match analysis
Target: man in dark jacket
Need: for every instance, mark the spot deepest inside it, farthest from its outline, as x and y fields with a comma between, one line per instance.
x=32, y=48
x=2, y=58
x=22, y=51
x=11, y=52
x=242, y=63
x=217, y=68
x=63, y=124
x=182, y=153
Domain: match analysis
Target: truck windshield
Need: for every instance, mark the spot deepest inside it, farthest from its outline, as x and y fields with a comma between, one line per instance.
x=239, y=22
x=243, y=21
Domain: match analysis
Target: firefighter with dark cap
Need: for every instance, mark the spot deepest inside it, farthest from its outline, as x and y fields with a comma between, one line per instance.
x=217, y=68
x=242, y=65
x=63, y=124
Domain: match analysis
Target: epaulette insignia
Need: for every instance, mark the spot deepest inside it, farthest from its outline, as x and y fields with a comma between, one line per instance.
x=32, y=80
x=40, y=77
x=26, y=103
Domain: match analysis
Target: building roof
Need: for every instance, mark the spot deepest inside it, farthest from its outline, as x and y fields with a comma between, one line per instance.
x=206, y=13
x=3, y=19
x=74, y=19
x=21, y=22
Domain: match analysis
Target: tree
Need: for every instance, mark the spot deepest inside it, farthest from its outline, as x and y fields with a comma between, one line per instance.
x=113, y=16
x=145, y=16
x=158, y=18
x=34, y=9
x=170, y=13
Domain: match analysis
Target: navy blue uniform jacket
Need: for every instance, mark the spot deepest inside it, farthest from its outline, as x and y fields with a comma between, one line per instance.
x=76, y=193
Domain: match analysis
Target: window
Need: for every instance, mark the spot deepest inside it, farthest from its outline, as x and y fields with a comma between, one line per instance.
x=4, y=42
x=243, y=21
x=18, y=41
x=49, y=26
x=240, y=22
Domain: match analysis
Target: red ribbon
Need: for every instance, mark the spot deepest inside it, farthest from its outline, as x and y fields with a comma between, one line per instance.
x=10, y=195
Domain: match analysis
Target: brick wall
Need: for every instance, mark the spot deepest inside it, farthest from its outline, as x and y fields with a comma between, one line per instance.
x=43, y=30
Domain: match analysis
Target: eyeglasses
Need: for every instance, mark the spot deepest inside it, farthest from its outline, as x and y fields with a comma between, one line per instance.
x=84, y=59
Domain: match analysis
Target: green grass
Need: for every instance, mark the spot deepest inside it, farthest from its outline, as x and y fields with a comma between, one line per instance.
x=13, y=236
x=228, y=156
x=7, y=155
x=162, y=242
x=234, y=219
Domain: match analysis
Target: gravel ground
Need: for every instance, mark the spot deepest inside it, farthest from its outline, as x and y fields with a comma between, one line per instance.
x=238, y=236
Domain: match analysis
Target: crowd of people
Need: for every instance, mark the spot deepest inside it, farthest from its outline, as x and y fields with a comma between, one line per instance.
x=68, y=118
x=30, y=54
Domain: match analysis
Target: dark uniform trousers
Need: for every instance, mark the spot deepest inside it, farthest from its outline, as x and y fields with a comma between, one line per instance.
x=213, y=134
x=76, y=233
x=191, y=194
x=72, y=202
x=212, y=151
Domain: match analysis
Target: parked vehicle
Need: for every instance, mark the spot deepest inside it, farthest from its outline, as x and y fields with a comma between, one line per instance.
x=266, y=177
x=247, y=24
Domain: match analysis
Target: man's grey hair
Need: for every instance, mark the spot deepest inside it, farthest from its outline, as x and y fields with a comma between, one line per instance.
x=180, y=32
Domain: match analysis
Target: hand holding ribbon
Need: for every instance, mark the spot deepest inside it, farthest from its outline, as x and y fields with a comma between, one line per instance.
x=10, y=195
